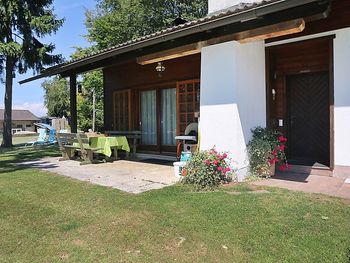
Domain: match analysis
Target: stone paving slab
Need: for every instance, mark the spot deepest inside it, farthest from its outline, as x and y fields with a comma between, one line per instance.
x=332, y=186
x=128, y=176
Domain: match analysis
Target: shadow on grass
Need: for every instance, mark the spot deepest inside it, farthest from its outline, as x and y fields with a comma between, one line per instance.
x=15, y=158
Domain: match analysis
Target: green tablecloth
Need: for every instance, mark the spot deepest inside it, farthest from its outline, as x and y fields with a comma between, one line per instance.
x=107, y=142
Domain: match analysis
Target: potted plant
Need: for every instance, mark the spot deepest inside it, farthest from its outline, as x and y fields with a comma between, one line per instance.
x=266, y=150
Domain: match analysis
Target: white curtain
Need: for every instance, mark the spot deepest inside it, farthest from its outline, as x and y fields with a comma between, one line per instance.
x=168, y=116
x=148, y=118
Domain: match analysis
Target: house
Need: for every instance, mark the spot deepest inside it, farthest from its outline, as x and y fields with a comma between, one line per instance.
x=280, y=63
x=22, y=120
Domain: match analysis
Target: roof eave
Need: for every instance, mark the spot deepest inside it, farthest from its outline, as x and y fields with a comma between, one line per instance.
x=245, y=15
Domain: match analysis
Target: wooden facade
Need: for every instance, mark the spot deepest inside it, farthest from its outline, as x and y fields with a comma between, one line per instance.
x=309, y=61
x=124, y=83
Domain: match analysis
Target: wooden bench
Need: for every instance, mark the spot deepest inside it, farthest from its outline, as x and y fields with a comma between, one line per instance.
x=70, y=143
x=133, y=138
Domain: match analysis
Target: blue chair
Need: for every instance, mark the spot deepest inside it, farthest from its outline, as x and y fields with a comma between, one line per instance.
x=52, y=137
x=41, y=138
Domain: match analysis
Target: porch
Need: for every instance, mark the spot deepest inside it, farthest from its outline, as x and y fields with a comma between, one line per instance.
x=129, y=176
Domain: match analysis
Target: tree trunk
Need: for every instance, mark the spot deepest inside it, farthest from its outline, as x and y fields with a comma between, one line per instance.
x=7, y=136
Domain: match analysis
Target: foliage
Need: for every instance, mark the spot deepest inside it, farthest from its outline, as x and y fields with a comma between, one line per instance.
x=91, y=81
x=114, y=22
x=56, y=98
x=265, y=149
x=207, y=169
x=23, y=23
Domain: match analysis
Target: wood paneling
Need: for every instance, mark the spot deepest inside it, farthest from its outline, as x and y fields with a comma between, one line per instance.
x=135, y=78
x=122, y=110
x=339, y=17
x=296, y=58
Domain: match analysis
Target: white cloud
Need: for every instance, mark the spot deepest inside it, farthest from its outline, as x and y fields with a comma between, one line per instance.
x=37, y=108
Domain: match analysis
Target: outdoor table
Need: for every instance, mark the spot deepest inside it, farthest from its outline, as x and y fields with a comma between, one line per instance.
x=108, y=143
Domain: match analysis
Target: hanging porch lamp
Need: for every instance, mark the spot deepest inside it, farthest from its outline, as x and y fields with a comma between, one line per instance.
x=160, y=68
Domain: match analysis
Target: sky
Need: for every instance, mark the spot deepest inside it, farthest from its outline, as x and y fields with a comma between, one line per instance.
x=30, y=95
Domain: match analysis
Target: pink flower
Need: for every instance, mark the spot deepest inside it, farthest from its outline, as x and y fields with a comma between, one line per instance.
x=282, y=139
x=282, y=147
x=227, y=169
x=274, y=153
x=207, y=162
x=215, y=162
x=224, y=155
x=220, y=169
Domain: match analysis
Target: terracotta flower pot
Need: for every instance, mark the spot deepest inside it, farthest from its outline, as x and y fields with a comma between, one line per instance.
x=273, y=169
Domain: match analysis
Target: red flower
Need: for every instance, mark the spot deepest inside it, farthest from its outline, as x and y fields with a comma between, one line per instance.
x=207, y=162
x=227, y=169
x=282, y=139
x=282, y=147
x=274, y=153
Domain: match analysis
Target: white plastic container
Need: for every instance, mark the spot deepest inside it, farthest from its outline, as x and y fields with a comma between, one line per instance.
x=178, y=166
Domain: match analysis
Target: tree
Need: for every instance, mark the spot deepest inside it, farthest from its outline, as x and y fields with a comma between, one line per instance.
x=91, y=82
x=23, y=23
x=117, y=21
x=56, y=98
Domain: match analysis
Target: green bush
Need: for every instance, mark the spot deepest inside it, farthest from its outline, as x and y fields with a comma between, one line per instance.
x=207, y=170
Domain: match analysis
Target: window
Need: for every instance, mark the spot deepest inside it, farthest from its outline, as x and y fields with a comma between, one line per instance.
x=188, y=97
x=28, y=126
x=122, y=112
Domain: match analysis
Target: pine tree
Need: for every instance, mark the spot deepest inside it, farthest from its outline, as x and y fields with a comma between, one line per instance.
x=22, y=24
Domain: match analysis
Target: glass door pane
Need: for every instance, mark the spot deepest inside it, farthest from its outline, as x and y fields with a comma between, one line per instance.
x=148, y=117
x=168, y=116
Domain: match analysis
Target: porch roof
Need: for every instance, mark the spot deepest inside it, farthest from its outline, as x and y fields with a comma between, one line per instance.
x=238, y=18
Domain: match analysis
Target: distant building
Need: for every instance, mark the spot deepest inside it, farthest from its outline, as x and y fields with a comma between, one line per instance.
x=22, y=120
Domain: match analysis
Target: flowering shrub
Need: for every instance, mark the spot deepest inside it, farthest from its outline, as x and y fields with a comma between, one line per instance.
x=207, y=169
x=266, y=148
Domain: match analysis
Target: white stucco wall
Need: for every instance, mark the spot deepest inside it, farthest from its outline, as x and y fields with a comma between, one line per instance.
x=342, y=97
x=216, y=5
x=232, y=97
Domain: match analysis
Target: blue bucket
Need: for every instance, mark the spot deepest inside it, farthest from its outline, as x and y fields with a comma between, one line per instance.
x=185, y=156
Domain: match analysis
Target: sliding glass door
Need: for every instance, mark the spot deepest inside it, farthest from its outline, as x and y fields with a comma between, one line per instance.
x=149, y=117
x=158, y=119
x=168, y=116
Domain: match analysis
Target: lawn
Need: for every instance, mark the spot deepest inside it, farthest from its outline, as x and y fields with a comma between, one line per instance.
x=49, y=218
x=18, y=140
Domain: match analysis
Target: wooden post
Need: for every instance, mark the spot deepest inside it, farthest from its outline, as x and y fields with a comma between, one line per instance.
x=73, y=103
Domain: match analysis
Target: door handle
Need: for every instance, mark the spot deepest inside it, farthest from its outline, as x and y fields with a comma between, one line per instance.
x=292, y=119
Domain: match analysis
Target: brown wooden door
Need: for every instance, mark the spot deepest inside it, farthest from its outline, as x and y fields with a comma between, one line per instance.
x=308, y=118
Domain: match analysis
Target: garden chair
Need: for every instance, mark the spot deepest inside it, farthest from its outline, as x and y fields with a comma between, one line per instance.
x=41, y=138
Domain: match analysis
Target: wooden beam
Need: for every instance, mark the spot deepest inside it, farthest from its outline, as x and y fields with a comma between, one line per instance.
x=277, y=30
x=173, y=53
x=261, y=33
x=73, y=103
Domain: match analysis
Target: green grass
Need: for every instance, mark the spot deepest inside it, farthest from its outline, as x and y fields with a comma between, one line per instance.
x=50, y=218
x=21, y=140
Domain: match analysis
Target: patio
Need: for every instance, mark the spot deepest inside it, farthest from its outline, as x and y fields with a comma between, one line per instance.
x=128, y=176
x=309, y=183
